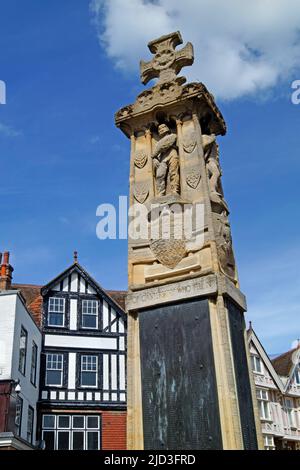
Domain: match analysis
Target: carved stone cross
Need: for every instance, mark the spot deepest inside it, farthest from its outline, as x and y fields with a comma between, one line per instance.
x=167, y=62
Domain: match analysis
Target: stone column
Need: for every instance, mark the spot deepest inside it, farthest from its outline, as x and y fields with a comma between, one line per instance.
x=188, y=371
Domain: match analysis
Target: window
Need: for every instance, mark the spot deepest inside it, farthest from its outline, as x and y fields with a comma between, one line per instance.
x=90, y=314
x=34, y=351
x=89, y=371
x=257, y=364
x=269, y=442
x=54, y=370
x=30, y=419
x=297, y=376
x=290, y=413
x=56, y=311
x=263, y=404
x=64, y=422
x=18, y=417
x=22, y=351
x=76, y=432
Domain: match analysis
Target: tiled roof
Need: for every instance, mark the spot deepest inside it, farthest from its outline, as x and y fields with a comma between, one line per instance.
x=33, y=299
x=29, y=291
x=284, y=363
x=118, y=296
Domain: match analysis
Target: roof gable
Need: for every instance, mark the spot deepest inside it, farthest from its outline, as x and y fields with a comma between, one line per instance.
x=265, y=358
x=77, y=279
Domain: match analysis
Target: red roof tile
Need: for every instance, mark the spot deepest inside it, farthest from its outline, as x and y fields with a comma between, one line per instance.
x=33, y=299
x=283, y=363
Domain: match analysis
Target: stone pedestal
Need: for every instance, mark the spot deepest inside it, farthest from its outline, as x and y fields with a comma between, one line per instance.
x=188, y=379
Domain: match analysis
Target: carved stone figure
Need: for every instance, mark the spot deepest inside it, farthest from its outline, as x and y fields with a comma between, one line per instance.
x=166, y=162
x=224, y=241
x=211, y=155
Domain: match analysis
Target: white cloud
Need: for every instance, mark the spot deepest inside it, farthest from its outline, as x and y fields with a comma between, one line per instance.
x=241, y=48
x=9, y=131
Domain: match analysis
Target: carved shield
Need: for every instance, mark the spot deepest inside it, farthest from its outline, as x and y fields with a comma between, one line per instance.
x=141, y=191
x=168, y=252
x=189, y=141
x=193, y=178
x=140, y=159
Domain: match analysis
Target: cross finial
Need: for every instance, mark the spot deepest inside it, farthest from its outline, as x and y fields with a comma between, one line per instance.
x=167, y=62
x=75, y=256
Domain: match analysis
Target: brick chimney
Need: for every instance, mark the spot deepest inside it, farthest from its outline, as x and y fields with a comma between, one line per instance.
x=6, y=271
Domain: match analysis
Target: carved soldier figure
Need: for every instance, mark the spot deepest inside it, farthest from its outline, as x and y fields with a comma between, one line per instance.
x=227, y=260
x=212, y=162
x=166, y=161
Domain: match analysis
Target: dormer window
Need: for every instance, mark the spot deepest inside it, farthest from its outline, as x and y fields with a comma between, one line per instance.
x=56, y=311
x=257, y=364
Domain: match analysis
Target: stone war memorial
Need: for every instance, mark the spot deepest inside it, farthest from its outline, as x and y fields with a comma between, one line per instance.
x=188, y=381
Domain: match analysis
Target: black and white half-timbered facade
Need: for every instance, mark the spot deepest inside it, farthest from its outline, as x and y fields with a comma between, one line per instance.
x=83, y=367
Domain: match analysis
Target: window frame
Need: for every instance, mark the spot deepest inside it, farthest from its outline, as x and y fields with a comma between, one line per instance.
x=297, y=375
x=56, y=430
x=290, y=414
x=22, y=366
x=263, y=404
x=30, y=409
x=61, y=370
x=63, y=313
x=43, y=421
x=19, y=401
x=254, y=359
x=33, y=366
x=267, y=445
x=59, y=431
x=96, y=371
x=92, y=431
x=96, y=315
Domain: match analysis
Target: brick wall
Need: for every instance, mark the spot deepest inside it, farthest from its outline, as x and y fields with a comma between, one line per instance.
x=5, y=388
x=114, y=430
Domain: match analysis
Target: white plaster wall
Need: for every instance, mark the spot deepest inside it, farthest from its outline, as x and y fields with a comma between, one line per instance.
x=29, y=392
x=7, y=323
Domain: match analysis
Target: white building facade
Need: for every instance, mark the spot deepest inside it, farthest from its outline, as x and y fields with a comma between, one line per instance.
x=20, y=350
x=277, y=384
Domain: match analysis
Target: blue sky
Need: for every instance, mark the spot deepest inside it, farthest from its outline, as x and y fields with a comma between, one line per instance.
x=61, y=155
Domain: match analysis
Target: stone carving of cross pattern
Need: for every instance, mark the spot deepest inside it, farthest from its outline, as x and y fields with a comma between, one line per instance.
x=167, y=62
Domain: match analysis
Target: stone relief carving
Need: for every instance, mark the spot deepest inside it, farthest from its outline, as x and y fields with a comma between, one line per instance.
x=211, y=155
x=124, y=112
x=189, y=141
x=168, y=252
x=141, y=192
x=224, y=245
x=214, y=173
x=141, y=158
x=158, y=95
x=166, y=162
x=193, y=178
